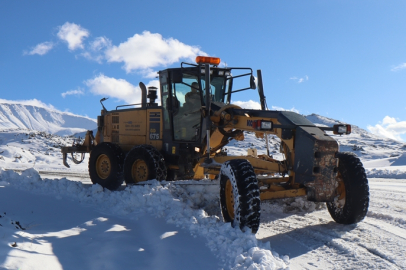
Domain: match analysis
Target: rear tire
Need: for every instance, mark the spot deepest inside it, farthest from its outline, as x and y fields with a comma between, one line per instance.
x=239, y=194
x=142, y=163
x=106, y=165
x=351, y=204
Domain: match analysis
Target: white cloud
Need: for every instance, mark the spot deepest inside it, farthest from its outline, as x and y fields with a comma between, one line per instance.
x=399, y=67
x=73, y=92
x=32, y=102
x=299, y=80
x=148, y=50
x=390, y=128
x=97, y=48
x=248, y=104
x=100, y=43
x=41, y=48
x=276, y=108
x=257, y=106
x=117, y=88
x=149, y=73
x=73, y=34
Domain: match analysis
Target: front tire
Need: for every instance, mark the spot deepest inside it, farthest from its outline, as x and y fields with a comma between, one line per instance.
x=239, y=194
x=351, y=204
x=142, y=163
x=106, y=165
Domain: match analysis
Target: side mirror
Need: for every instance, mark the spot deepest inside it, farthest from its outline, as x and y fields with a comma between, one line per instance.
x=252, y=83
x=101, y=102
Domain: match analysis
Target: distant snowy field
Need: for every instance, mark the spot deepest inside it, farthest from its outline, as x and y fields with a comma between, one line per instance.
x=51, y=217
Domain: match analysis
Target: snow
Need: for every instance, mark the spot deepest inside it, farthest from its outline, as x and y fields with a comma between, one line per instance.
x=52, y=217
x=147, y=204
x=15, y=115
x=61, y=233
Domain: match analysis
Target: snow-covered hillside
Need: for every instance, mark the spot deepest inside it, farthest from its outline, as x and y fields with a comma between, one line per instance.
x=363, y=143
x=14, y=115
x=382, y=157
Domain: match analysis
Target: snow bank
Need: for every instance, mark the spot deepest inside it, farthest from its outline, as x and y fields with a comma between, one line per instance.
x=392, y=167
x=399, y=173
x=236, y=249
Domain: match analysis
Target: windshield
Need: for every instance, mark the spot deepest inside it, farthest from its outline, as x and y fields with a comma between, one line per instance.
x=217, y=88
x=190, y=95
x=190, y=84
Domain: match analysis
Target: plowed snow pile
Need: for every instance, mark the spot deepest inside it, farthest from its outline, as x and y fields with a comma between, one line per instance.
x=234, y=248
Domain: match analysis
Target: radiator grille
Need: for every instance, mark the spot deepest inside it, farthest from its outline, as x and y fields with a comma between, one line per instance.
x=115, y=120
x=114, y=136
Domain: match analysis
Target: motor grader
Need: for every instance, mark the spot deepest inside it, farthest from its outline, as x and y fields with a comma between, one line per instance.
x=181, y=135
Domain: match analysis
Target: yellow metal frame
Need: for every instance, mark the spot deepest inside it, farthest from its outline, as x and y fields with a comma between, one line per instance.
x=269, y=195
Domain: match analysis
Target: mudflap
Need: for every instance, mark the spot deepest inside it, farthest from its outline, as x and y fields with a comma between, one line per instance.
x=316, y=163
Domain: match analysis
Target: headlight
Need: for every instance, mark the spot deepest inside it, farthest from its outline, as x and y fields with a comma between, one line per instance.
x=342, y=129
x=266, y=125
x=261, y=125
x=204, y=71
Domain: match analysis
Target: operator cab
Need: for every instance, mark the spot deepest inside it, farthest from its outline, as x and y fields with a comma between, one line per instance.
x=183, y=94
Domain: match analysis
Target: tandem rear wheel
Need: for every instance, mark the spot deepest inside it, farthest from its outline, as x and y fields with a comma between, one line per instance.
x=142, y=163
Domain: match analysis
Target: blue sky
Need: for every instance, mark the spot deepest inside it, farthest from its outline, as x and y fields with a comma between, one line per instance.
x=341, y=59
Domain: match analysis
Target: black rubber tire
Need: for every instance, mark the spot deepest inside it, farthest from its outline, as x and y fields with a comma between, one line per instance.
x=115, y=157
x=355, y=206
x=153, y=160
x=245, y=192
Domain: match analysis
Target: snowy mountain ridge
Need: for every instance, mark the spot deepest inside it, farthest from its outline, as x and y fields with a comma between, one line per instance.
x=21, y=116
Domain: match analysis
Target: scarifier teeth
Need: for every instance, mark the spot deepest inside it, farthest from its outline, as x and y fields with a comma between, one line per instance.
x=65, y=156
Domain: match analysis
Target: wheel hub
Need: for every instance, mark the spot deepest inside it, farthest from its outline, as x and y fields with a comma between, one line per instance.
x=139, y=171
x=103, y=166
x=229, y=199
x=340, y=200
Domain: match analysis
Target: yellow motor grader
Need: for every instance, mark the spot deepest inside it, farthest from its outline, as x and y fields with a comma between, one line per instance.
x=182, y=137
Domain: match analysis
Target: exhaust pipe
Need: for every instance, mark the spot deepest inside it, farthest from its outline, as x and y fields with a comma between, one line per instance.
x=143, y=94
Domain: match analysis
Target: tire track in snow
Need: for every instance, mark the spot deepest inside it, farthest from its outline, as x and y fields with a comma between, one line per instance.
x=314, y=241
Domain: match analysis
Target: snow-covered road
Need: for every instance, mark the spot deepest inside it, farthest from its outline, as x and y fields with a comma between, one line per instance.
x=301, y=233
x=313, y=240
x=307, y=234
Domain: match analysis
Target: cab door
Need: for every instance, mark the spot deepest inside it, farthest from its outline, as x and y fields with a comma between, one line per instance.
x=183, y=101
